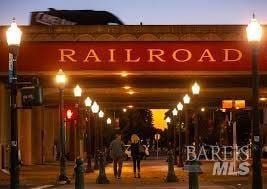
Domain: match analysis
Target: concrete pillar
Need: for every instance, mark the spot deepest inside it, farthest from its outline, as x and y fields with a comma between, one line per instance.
x=38, y=135
x=4, y=126
x=25, y=135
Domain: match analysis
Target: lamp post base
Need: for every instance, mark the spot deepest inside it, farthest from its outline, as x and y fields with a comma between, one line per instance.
x=171, y=177
x=102, y=177
x=63, y=179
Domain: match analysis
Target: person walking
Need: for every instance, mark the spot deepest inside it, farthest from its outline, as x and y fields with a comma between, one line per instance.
x=137, y=151
x=117, y=148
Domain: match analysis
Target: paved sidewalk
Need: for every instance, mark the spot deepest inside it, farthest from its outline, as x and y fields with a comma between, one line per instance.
x=152, y=176
x=131, y=186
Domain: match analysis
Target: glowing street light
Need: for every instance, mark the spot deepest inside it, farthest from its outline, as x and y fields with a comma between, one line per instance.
x=174, y=112
x=95, y=110
x=186, y=99
x=180, y=106
x=254, y=34
x=168, y=120
x=95, y=107
x=254, y=30
x=108, y=121
x=88, y=102
x=13, y=34
x=195, y=89
x=77, y=91
x=101, y=114
x=61, y=79
x=13, y=37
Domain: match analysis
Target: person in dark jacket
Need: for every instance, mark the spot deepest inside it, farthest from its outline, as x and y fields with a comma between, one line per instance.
x=117, y=148
x=136, y=153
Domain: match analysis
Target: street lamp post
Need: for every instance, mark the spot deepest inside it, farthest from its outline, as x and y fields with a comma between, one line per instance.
x=101, y=115
x=168, y=121
x=195, y=91
x=89, y=169
x=171, y=176
x=102, y=177
x=95, y=110
x=254, y=33
x=174, y=113
x=77, y=91
x=61, y=81
x=180, y=108
x=186, y=100
x=13, y=36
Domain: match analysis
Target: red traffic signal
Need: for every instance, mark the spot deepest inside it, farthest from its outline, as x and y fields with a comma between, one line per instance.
x=70, y=113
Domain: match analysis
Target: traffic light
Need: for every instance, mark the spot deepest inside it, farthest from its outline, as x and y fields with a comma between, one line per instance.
x=70, y=113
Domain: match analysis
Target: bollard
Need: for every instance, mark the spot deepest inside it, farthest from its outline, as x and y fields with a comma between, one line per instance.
x=79, y=174
x=193, y=170
x=102, y=177
x=171, y=177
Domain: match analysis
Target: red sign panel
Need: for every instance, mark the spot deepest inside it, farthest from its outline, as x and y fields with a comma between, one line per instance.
x=134, y=56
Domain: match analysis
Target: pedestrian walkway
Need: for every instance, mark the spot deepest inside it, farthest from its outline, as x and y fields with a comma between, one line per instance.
x=153, y=173
x=132, y=186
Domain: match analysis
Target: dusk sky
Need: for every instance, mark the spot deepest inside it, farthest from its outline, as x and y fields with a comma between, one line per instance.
x=147, y=11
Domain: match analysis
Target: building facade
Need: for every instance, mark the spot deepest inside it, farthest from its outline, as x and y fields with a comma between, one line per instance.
x=39, y=126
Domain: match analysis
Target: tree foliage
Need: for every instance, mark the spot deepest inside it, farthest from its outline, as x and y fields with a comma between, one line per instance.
x=138, y=121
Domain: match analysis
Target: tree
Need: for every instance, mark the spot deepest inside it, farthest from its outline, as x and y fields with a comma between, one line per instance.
x=138, y=121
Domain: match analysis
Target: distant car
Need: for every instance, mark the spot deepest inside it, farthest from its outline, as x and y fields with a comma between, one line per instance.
x=128, y=151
